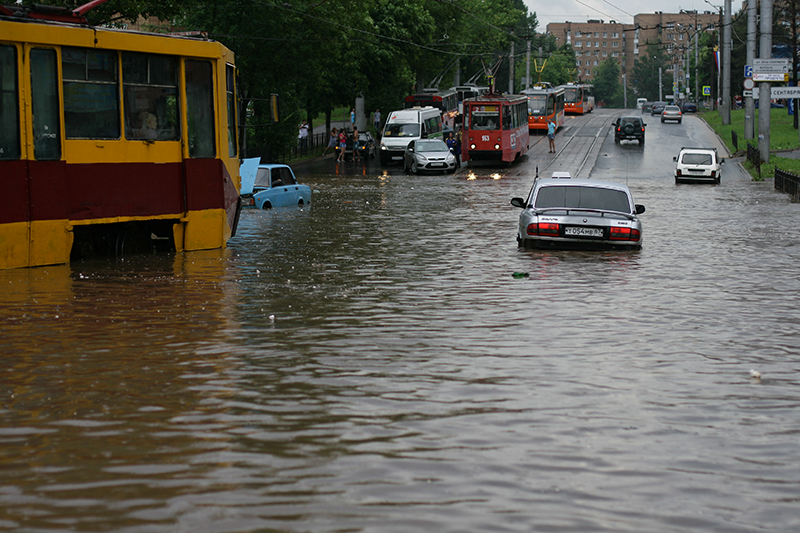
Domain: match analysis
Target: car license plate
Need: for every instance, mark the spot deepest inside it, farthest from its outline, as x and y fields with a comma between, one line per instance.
x=397, y=157
x=579, y=231
x=437, y=164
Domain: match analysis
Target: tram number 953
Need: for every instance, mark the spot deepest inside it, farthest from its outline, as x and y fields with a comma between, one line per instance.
x=484, y=137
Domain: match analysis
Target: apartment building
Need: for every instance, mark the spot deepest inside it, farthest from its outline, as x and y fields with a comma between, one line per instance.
x=596, y=40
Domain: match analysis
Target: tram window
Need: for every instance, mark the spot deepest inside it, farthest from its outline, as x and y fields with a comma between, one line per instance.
x=9, y=106
x=484, y=120
x=91, y=96
x=44, y=104
x=200, y=108
x=150, y=88
x=229, y=72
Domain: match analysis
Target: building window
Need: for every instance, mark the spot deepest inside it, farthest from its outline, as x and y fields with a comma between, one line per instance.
x=615, y=44
x=597, y=44
x=615, y=35
x=577, y=44
x=596, y=34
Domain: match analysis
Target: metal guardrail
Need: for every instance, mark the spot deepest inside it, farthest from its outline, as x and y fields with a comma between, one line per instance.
x=735, y=140
x=788, y=183
x=754, y=156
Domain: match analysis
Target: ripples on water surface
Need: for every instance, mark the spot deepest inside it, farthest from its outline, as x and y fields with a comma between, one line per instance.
x=370, y=364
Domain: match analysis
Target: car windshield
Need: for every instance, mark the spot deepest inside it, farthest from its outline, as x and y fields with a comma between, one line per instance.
x=583, y=198
x=432, y=146
x=401, y=130
x=696, y=159
x=672, y=108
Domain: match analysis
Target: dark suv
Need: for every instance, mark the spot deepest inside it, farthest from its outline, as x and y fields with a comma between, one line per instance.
x=629, y=128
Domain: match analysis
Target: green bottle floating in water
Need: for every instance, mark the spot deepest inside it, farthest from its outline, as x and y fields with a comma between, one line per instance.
x=519, y=275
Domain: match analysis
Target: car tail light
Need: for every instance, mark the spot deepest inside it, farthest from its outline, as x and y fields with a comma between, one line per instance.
x=713, y=173
x=543, y=228
x=624, y=234
x=679, y=172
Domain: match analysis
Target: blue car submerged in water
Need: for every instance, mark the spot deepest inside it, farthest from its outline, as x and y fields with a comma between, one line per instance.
x=275, y=185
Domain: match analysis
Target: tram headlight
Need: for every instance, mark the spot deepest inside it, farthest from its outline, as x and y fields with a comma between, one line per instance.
x=472, y=146
x=496, y=146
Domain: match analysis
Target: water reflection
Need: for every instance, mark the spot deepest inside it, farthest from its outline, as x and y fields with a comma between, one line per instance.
x=369, y=364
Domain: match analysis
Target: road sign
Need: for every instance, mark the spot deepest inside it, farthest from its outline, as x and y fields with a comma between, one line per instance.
x=779, y=93
x=770, y=77
x=747, y=93
x=706, y=90
x=770, y=66
x=785, y=92
x=749, y=84
x=748, y=71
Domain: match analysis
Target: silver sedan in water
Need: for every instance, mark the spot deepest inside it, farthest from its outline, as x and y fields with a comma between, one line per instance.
x=428, y=154
x=561, y=212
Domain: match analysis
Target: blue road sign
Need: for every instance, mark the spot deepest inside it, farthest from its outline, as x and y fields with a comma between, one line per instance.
x=748, y=71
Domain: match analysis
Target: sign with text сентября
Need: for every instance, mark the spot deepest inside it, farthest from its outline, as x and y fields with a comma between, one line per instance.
x=776, y=93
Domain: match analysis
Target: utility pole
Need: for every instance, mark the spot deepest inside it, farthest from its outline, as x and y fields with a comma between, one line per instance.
x=511, y=70
x=726, y=65
x=749, y=101
x=660, y=88
x=528, y=66
x=764, y=96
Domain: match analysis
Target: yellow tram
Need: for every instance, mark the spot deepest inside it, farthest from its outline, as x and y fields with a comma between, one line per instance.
x=112, y=141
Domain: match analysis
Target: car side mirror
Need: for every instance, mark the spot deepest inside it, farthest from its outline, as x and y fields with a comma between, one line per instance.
x=639, y=209
x=518, y=202
x=410, y=148
x=721, y=160
x=675, y=159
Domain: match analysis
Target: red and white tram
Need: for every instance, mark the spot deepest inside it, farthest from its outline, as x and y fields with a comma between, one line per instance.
x=495, y=127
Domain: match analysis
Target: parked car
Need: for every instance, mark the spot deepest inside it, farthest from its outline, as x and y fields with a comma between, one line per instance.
x=671, y=112
x=657, y=108
x=630, y=129
x=698, y=164
x=365, y=145
x=428, y=154
x=579, y=214
x=689, y=107
x=647, y=107
x=276, y=186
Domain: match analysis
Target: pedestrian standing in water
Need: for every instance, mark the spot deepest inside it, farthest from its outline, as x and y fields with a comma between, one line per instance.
x=342, y=145
x=352, y=117
x=551, y=135
x=303, y=136
x=376, y=120
x=331, y=142
x=356, y=154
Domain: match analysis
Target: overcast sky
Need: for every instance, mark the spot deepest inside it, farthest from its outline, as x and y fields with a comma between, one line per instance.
x=622, y=11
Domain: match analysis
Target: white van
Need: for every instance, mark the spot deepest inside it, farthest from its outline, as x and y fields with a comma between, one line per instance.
x=408, y=125
x=640, y=102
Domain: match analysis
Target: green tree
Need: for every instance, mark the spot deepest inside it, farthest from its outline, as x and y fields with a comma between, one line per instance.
x=645, y=75
x=607, y=88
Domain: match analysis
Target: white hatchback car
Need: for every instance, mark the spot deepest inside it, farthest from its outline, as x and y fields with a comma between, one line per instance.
x=698, y=164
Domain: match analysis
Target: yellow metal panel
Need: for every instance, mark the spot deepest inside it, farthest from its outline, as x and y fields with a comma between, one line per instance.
x=113, y=151
x=51, y=242
x=14, y=245
x=206, y=229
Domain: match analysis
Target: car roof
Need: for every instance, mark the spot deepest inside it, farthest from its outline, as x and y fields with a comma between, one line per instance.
x=561, y=182
x=674, y=106
x=273, y=165
x=698, y=150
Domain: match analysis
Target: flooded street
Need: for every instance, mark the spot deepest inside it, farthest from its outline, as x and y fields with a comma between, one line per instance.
x=370, y=364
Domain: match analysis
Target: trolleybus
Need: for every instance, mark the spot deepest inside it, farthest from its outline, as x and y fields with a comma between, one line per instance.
x=578, y=98
x=545, y=104
x=112, y=141
x=495, y=127
x=444, y=101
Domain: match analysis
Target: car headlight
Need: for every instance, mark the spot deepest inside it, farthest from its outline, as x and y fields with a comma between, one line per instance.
x=421, y=158
x=383, y=146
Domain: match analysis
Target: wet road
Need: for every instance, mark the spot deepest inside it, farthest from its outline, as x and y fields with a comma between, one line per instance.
x=369, y=364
